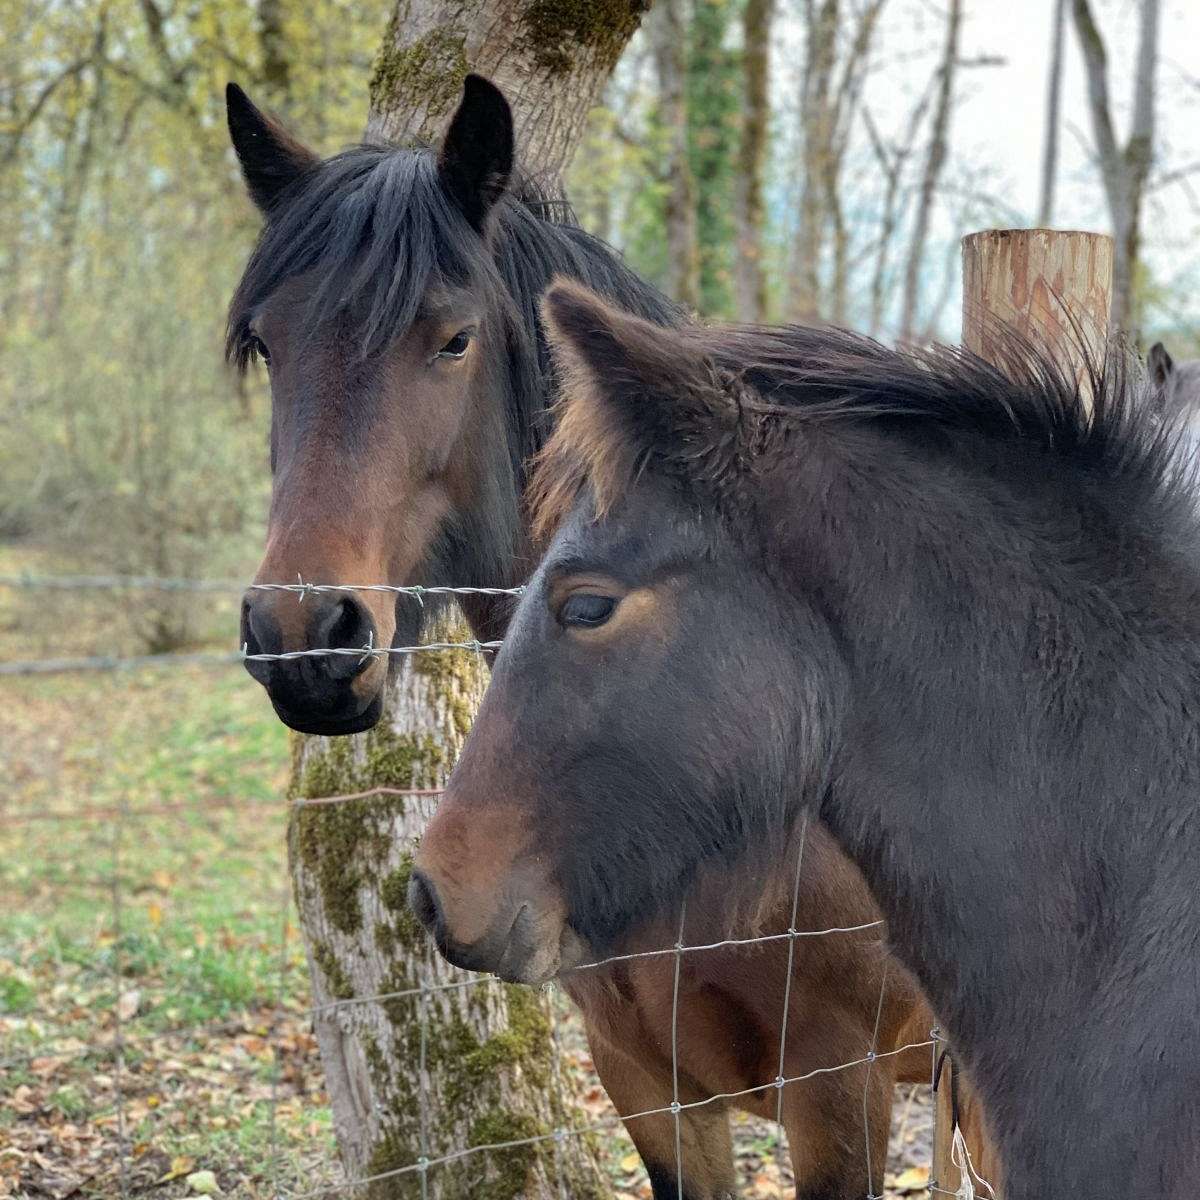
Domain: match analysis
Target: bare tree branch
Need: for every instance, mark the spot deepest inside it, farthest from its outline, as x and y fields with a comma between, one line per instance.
x=934, y=162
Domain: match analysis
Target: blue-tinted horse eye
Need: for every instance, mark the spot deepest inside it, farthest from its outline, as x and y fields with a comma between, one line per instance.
x=586, y=610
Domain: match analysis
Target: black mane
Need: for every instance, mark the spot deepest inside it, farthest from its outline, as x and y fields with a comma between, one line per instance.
x=1029, y=398
x=376, y=224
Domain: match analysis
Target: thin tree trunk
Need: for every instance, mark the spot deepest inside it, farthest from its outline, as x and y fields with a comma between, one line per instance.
x=1053, y=102
x=550, y=59
x=668, y=32
x=821, y=48
x=749, y=279
x=935, y=160
x=1123, y=170
x=411, y=1077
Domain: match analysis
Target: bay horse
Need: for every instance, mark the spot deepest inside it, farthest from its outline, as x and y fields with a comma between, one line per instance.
x=394, y=295
x=951, y=610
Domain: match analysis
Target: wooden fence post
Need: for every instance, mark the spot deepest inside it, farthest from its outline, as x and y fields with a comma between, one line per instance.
x=1052, y=287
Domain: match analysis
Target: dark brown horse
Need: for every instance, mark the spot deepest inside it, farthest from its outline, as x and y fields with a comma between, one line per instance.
x=954, y=612
x=394, y=294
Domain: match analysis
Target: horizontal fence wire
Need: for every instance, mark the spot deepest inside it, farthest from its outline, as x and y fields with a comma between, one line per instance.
x=426, y=1163
x=161, y=583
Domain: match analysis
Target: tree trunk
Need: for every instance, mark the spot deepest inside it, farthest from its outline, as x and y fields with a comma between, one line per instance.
x=804, y=301
x=668, y=31
x=1123, y=170
x=934, y=161
x=1053, y=100
x=749, y=281
x=549, y=58
x=438, y=1070
x=430, y=1069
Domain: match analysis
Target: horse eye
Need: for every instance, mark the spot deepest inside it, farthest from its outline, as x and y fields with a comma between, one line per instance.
x=585, y=611
x=456, y=347
x=259, y=347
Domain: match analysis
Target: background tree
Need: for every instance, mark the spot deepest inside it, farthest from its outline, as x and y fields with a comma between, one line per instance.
x=667, y=31
x=750, y=280
x=935, y=161
x=1123, y=169
x=1053, y=104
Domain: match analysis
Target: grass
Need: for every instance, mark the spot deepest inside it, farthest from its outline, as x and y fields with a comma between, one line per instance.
x=171, y=1006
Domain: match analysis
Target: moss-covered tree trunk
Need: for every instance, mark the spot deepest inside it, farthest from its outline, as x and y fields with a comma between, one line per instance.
x=434, y=1070
x=427, y=1069
x=549, y=57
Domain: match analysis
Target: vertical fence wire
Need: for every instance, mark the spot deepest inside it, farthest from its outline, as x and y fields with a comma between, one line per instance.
x=423, y=1091
x=559, y=1100
x=118, y=830
x=874, y=1050
x=676, y=1112
x=274, y=1031
x=787, y=996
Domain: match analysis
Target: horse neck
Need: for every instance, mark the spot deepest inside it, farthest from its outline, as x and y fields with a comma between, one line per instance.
x=1031, y=861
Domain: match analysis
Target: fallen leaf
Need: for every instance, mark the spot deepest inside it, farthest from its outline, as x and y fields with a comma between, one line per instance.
x=179, y=1166
x=913, y=1179
x=631, y=1162
x=128, y=1004
x=203, y=1183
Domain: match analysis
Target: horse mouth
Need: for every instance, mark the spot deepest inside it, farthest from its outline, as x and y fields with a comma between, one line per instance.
x=330, y=724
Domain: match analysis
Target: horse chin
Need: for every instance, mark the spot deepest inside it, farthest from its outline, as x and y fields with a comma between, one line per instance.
x=547, y=960
x=332, y=724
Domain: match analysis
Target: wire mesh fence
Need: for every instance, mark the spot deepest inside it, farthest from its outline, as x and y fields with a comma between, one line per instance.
x=119, y=822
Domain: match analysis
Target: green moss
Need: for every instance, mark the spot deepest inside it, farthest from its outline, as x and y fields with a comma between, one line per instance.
x=393, y=1151
x=338, y=841
x=509, y=1169
x=430, y=70
x=335, y=976
x=556, y=32
x=455, y=672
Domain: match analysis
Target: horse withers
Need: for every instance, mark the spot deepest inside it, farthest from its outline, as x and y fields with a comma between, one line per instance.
x=953, y=611
x=394, y=294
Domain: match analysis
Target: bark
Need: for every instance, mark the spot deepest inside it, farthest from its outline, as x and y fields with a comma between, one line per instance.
x=1124, y=170
x=934, y=162
x=469, y=1066
x=415, y=1076
x=550, y=58
x=749, y=280
x=1053, y=104
x=667, y=29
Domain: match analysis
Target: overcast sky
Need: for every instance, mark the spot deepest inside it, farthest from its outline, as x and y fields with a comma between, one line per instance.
x=999, y=121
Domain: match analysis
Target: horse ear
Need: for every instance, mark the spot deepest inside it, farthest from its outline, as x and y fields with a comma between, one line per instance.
x=638, y=393
x=476, y=159
x=1160, y=364
x=270, y=157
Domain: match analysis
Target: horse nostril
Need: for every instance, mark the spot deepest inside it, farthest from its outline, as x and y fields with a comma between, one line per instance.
x=260, y=629
x=422, y=899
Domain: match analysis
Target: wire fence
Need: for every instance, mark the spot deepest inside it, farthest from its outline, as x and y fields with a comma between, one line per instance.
x=122, y=818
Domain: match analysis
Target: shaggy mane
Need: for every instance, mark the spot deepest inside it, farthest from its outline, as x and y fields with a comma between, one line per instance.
x=804, y=375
